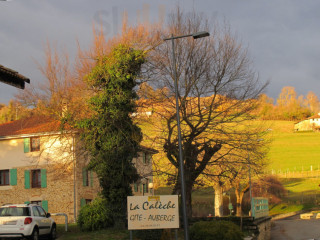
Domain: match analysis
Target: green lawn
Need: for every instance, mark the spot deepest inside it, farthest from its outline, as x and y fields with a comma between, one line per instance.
x=74, y=233
x=293, y=151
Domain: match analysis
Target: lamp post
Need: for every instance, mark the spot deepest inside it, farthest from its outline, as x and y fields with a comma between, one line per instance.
x=249, y=166
x=181, y=165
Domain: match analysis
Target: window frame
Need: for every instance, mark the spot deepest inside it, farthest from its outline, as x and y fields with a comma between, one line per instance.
x=34, y=147
x=4, y=177
x=85, y=177
x=35, y=184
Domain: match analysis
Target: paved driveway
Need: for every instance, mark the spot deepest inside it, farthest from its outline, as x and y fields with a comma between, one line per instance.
x=295, y=228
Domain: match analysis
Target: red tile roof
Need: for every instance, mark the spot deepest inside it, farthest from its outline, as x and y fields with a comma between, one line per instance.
x=34, y=124
x=314, y=116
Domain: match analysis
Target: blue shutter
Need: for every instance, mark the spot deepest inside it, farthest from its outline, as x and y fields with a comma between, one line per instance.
x=13, y=177
x=27, y=179
x=91, y=178
x=44, y=204
x=26, y=142
x=84, y=177
x=43, y=178
x=82, y=202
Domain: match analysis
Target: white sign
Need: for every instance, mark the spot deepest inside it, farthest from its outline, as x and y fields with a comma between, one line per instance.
x=153, y=212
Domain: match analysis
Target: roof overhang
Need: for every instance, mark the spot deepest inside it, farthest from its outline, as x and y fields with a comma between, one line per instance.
x=12, y=77
x=42, y=134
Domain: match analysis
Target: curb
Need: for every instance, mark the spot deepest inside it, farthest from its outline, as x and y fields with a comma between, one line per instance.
x=286, y=215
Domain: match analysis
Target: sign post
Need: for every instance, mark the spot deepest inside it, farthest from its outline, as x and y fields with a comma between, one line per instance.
x=153, y=212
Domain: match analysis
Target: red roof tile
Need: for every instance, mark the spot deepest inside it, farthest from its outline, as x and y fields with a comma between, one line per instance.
x=35, y=124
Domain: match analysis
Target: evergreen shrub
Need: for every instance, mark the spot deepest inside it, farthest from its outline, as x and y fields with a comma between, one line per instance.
x=95, y=216
x=215, y=230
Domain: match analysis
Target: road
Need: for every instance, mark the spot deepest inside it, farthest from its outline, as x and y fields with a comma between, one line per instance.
x=294, y=228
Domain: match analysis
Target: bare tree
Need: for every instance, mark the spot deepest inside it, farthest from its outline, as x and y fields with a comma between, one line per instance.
x=217, y=88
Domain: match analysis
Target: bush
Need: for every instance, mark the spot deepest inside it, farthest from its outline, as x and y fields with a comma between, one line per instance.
x=152, y=234
x=217, y=230
x=94, y=216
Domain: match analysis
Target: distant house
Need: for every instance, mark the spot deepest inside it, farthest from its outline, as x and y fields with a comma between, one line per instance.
x=310, y=124
x=39, y=164
x=12, y=77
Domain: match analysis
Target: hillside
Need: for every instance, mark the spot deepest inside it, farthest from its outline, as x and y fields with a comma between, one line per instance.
x=293, y=151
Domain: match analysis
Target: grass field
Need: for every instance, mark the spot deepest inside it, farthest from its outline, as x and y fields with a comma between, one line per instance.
x=291, y=156
x=74, y=233
x=293, y=151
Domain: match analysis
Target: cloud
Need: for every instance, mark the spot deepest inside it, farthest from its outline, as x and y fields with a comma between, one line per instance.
x=282, y=36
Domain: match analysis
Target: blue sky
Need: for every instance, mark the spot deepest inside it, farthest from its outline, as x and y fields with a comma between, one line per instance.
x=282, y=36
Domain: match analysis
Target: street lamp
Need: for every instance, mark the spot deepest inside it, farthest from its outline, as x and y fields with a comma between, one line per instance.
x=249, y=165
x=181, y=165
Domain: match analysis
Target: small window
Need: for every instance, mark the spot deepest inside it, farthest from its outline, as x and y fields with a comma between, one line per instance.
x=36, y=178
x=85, y=177
x=146, y=158
x=35, y=144
x=4, y=177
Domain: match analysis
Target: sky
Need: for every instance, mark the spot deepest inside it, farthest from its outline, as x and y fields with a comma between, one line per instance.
x=282, y=36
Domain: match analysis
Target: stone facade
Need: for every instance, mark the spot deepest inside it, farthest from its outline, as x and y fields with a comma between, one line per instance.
x=54, y=176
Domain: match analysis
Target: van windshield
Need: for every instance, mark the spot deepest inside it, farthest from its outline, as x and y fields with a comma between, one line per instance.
x=14, y=211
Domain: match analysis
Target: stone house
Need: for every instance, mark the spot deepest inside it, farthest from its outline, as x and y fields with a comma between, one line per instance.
x=310, y=124
x=39, y=164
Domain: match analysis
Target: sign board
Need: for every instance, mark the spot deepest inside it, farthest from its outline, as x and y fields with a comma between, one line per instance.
x=153, y=212
x=260, y=207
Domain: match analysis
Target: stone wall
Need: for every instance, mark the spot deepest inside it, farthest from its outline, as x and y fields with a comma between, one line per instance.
x=264, y=227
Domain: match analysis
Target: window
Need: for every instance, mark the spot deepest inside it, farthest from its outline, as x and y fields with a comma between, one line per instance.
x=36, y=178
x=87, y=177
x=35, y=144
x=84, y=201
x=42, y=212
x=35, y=212
x=4, y=177
x=14, y=211
x=146, y=158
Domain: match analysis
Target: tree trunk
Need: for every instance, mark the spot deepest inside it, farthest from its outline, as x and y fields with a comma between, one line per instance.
x=239, y=196
x=189, y=200
x=178, y=190
x=218, y=200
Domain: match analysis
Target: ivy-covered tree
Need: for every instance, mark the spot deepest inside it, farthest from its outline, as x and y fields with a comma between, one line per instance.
x=110, y=136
